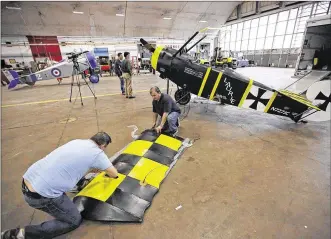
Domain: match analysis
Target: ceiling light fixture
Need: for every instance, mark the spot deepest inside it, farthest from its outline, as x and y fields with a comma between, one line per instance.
x=120, y=15
x=167, y=18
x=13, y=8
x=78, y=12
x=202, y=21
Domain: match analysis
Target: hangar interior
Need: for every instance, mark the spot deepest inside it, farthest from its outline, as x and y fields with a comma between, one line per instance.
x=248, y=173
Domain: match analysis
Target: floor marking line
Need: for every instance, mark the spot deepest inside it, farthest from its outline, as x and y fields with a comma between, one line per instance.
x=84, y=97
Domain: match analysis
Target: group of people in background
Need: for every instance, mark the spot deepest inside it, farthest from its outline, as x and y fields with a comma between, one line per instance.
x=123, y=69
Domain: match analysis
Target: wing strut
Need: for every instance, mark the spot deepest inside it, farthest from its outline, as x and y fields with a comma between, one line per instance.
x=197, y=42
x=188, y=41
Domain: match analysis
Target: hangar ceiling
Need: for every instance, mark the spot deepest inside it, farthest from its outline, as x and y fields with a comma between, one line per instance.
x=98, y=19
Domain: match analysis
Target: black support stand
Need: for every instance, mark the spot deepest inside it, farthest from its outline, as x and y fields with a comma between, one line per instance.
x=75, y=75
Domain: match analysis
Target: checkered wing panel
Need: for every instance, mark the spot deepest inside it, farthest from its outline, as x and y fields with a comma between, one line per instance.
x=142, y=167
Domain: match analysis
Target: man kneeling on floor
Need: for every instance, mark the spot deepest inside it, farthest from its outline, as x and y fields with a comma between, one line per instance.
x=44, y=185
x=165, y=107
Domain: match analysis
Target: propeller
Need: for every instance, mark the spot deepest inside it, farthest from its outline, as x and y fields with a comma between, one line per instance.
x=147, y=45
x=74, y=54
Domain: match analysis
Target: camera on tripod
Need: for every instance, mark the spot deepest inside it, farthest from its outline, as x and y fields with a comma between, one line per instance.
x=76, y=72
x=74, y=55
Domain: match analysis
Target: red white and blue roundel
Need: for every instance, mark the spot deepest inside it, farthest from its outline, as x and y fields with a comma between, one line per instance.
x=56, y=72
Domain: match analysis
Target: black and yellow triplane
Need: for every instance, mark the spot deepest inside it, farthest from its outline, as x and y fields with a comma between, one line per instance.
x=228, y=86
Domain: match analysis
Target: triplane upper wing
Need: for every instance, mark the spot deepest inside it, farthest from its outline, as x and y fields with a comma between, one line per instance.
x=142, y=167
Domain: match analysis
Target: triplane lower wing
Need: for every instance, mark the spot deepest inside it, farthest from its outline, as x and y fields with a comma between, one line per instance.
x=142, y=167
x=233, y=88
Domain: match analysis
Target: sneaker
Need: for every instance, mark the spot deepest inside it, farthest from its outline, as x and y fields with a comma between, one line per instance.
x=10, y=234
x=123, y=93
x=178, y=123
x=172, y=133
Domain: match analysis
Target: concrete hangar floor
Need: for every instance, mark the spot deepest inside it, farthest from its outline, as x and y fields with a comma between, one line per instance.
x=249, y=175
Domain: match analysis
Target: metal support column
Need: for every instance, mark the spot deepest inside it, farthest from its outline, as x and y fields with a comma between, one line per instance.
x=273, y=39
x=257, y=30
x=295, y=23
x=281, y=52
x=265, y=37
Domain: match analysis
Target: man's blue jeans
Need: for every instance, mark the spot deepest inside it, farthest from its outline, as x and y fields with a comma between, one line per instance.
x=65, y=212
x=122, y=83
x=172, y=122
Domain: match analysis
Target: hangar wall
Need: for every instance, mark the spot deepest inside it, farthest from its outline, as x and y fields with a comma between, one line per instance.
x=20, y=50
x=18, y=53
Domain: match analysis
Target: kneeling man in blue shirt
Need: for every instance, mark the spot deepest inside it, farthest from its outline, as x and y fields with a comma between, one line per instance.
x=44, y=185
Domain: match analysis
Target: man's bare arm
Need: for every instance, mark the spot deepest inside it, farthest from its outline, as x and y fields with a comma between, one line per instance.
x=112, y=172
x=164, y=119
x=155, y=118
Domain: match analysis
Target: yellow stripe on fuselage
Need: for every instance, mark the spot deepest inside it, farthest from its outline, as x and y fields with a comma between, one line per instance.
x=248, y=88
x=155, y=56
x=273, y=97
x=298, y=98
x=216, y=85
x=204, y=81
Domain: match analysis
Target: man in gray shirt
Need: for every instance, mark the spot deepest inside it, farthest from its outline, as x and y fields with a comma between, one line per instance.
x=45, y=182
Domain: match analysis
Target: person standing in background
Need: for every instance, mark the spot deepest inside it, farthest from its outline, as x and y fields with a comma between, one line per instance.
x=139, y=66
x=126, y=68
x=118, y=71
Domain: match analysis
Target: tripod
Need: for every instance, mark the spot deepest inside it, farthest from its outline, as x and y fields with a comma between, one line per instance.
x=75, y=75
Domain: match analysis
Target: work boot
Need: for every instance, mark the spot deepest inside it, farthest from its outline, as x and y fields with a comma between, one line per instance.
x=12, y=234
x=170, y=133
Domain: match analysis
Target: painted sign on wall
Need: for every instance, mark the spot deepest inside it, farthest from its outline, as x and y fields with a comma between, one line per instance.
x=101, y=51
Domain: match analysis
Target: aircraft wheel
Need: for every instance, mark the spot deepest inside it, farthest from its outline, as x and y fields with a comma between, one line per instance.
x=30, y=83
x=94, y=78
x=225, y=66
x=182, y=97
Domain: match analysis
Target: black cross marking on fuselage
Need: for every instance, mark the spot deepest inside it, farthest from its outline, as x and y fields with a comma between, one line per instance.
x=257, y=99
x=321, y=96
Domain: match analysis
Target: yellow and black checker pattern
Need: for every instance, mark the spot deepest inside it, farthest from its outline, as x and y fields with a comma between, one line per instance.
x=142, y=167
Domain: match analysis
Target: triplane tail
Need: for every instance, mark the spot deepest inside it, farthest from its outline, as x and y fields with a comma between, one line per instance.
x=15, y=79
x=319, y=93
x=259, y=97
